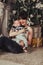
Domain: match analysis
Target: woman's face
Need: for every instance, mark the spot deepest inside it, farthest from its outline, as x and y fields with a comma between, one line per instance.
x=23, y=22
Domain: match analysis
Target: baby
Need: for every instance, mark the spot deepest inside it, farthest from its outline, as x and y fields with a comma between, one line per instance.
x=21, y=38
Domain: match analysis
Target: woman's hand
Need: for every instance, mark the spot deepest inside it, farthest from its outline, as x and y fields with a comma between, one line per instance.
x=23, y=30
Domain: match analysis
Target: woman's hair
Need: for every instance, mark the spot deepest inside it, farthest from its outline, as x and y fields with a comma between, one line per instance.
x=22, y=15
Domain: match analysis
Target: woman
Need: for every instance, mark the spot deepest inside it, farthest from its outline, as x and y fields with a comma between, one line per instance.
x=28, y=30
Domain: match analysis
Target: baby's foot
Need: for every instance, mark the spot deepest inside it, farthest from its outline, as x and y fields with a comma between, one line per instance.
x=25, y=50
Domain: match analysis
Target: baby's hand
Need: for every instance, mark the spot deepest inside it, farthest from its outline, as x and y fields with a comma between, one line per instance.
x=24, y=30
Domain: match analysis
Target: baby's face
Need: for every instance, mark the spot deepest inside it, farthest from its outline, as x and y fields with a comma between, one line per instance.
x=17, y=23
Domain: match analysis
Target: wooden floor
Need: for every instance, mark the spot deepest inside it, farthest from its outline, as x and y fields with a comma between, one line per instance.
x=33, y=58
